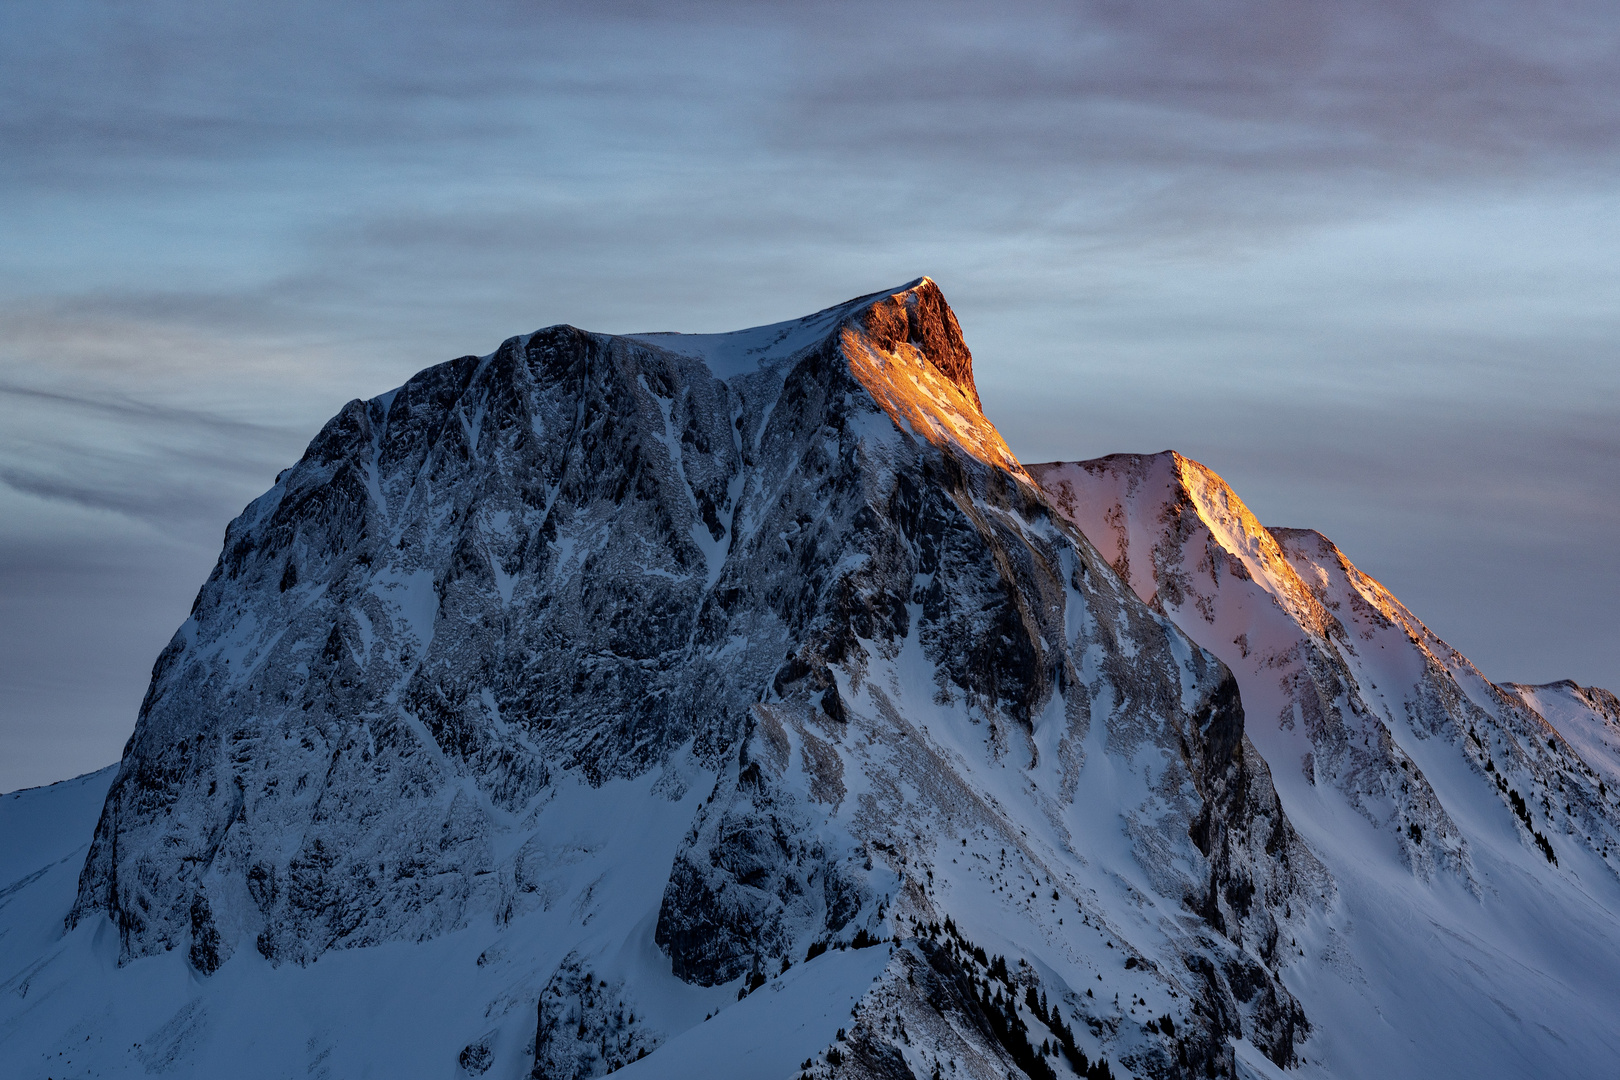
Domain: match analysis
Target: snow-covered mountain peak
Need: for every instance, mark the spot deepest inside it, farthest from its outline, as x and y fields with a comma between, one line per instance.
x=1409, y=772
x=1174, y=499
x=698, y=657
x=738, y=705
x=905, y=347
x=907, y=351
x=739, y=352
x=1332, y=665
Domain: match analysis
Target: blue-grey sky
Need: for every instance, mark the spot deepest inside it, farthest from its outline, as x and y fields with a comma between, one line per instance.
x=1362, y=259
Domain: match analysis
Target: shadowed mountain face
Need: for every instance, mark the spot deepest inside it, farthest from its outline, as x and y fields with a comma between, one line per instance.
x=739, y=705
x=794, y=564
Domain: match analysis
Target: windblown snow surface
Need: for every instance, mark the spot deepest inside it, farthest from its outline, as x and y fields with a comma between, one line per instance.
x=738, y=706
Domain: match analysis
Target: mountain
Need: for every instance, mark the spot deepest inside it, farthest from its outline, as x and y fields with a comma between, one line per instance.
x=739, y=705
x=1472, y=828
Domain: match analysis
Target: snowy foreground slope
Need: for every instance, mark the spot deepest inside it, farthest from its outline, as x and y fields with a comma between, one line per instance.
x=737, y=705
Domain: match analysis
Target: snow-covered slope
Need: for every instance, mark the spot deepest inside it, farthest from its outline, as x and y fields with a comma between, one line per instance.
x=738, y=705
x=1472, y=828
x=1585, y=717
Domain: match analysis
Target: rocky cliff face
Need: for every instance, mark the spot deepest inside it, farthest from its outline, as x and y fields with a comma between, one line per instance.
x=794, y=567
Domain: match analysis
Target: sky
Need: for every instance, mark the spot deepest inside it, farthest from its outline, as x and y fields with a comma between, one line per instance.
x=1362, y=259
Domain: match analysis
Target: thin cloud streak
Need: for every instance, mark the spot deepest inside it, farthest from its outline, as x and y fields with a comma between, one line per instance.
x=178, y=471
x=129, y=409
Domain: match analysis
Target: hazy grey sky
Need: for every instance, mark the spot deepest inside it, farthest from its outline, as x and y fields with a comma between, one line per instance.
x=1361, y=259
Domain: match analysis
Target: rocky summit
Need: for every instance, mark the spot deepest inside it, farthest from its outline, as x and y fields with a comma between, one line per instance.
x=738, y=705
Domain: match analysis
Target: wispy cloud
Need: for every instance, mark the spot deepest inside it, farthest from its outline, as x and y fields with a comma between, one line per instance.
x=120, y=407
x=182, y=472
